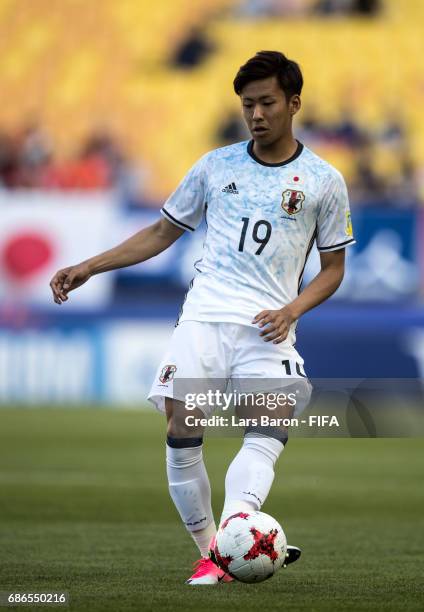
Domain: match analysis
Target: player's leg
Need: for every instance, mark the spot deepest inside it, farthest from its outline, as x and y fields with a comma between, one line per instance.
x=195, y=355
x=187, y=477
x=251, y=473
x=266, y=367
x=190, y=488
x=260, y=370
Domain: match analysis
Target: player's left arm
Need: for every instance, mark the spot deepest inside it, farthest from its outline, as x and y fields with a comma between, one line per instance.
x=325, y=283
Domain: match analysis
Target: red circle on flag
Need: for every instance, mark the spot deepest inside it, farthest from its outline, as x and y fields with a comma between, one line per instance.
x=26, y=254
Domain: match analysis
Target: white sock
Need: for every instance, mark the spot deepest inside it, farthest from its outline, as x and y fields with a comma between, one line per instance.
x=191, y=492
x=234, y=506
x=250, y=475
x=203, y=538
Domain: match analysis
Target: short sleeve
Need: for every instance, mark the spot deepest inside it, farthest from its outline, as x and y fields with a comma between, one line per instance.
x=185, y=206
x=334, y=223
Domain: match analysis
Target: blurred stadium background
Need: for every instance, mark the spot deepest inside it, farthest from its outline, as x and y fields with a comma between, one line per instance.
x=105, y=106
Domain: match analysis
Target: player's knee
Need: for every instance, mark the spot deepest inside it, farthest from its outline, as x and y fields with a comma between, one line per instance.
x=178, y=429
x=183, y=425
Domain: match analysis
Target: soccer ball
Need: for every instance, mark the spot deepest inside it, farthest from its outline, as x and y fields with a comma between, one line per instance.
x=250, y=546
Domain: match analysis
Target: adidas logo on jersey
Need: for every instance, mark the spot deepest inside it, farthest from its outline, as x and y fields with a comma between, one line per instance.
x=231, y=188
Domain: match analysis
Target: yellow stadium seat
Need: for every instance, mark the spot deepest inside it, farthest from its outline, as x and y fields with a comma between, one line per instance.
x=75, y=64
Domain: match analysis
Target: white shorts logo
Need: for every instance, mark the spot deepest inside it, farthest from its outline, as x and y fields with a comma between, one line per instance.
x=167, y=373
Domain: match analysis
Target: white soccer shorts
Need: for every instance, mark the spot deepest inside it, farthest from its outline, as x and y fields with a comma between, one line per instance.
x=206, y=355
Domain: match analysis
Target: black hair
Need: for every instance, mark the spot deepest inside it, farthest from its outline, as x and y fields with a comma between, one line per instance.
x=267, y=64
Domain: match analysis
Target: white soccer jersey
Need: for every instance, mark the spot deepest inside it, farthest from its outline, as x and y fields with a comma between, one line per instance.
x=262, y=221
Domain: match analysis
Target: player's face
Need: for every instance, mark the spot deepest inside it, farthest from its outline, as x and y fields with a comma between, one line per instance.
x=267, y=112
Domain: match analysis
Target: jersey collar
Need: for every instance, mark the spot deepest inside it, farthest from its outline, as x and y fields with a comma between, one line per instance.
x=283, y=163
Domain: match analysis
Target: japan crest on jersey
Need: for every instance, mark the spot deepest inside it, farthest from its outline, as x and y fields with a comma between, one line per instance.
x=292, y=201
x=167, y=373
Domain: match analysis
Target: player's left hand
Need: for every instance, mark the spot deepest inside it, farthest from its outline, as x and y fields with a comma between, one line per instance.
x=275, y=324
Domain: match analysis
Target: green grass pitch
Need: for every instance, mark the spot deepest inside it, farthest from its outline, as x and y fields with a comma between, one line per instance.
x=84, y=508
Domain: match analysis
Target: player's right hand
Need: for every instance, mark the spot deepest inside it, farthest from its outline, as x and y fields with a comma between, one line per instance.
x=67, y=279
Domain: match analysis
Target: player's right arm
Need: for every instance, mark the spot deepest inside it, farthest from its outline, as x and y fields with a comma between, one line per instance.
x=147, y=243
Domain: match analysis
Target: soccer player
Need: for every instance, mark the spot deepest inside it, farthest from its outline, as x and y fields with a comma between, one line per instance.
x=266, y=202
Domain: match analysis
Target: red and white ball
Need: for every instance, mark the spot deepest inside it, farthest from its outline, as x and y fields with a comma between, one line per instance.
x=250, y=546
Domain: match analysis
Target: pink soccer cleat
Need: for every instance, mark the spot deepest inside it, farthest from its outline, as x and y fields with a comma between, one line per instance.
x=206, y=572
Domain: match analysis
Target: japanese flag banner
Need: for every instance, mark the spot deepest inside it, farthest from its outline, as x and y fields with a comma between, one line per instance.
x=42, y=232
